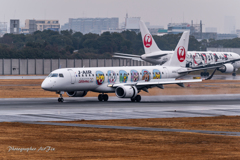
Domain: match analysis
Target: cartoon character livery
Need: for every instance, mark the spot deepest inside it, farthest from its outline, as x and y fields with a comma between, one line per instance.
x=123, y=76
x=156, y=74
x=111, y=77
x=99, y=77
x=134, y=76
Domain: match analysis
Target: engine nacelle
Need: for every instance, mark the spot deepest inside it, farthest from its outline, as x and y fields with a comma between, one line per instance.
x=226, y=68
x=126, y=91
x=77, y=93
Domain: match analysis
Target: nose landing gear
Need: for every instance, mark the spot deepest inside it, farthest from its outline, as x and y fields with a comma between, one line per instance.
x=103, y=97
x=60, y=99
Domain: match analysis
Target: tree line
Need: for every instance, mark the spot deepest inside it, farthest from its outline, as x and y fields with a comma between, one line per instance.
x=66, y=44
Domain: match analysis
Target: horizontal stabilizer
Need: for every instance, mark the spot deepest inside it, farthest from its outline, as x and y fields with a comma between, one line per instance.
x=129, y=55
x=126, y=57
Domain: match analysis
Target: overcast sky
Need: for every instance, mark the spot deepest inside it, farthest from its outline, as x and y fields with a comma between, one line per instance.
x=157, y=12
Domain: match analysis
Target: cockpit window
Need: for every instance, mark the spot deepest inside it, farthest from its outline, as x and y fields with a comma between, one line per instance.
x=50, y=75
x=54, y=75
x=61, y=75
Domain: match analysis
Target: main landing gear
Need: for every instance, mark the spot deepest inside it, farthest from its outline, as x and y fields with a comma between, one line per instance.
x=103, y=97
x=136, y=99
x=206, y=74
x=60, y=99
x=234, y=72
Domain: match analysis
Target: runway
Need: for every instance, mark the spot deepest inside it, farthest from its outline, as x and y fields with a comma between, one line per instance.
x=88, y=108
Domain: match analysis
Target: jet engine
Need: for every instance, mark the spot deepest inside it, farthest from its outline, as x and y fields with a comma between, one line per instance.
x=126, y=91
x=77, y=93
x=226, y=68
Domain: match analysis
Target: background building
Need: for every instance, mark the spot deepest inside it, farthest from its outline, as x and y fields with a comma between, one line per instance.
x=176, y=28
x=211, y=29
x=91, y=25
x=229, y=24
x=32, y=25
x=3, y=28
x=132, y=23
x=238, y=33
x=226, y=36
x=14, y=26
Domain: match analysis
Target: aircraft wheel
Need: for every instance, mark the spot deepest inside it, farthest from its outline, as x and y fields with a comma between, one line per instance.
x=233, y=74
x=60, y=99
x=207, y=73
x=138, y=98
x=100, y=97
x=105, y=97
x=201, y=74
x=133, y=99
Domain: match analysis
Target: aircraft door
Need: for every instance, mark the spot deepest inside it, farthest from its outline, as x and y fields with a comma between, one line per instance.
x=72, y=75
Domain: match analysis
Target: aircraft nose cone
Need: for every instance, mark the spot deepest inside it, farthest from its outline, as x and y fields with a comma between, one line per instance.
x=46, y=85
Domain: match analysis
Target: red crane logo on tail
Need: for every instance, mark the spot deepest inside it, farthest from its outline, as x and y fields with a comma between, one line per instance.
x=147, y=40
x=181, y=53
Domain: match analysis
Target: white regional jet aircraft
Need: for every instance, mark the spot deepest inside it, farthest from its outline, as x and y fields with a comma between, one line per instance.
x=227, y=62
x=126, y=82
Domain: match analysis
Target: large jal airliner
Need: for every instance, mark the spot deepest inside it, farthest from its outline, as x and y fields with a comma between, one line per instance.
x=125, y=82
x=227, y=62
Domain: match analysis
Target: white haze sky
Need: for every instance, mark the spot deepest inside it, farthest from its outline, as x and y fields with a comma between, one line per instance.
x=157, y=12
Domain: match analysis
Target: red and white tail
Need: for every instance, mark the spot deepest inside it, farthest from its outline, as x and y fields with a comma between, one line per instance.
x=149, y=44
x=178, y=58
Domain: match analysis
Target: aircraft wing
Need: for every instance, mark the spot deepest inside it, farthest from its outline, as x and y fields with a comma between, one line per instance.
x=141, y=84
x=156, y=55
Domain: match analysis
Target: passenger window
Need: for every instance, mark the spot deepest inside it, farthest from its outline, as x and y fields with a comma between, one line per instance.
x=61, y=75
x=54, y=75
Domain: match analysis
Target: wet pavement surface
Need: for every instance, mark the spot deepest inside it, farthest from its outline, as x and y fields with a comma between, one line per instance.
x=88, y=108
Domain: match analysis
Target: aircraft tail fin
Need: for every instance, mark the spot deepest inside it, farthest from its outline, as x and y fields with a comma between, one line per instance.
x=148, y=42
x=178, y=58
